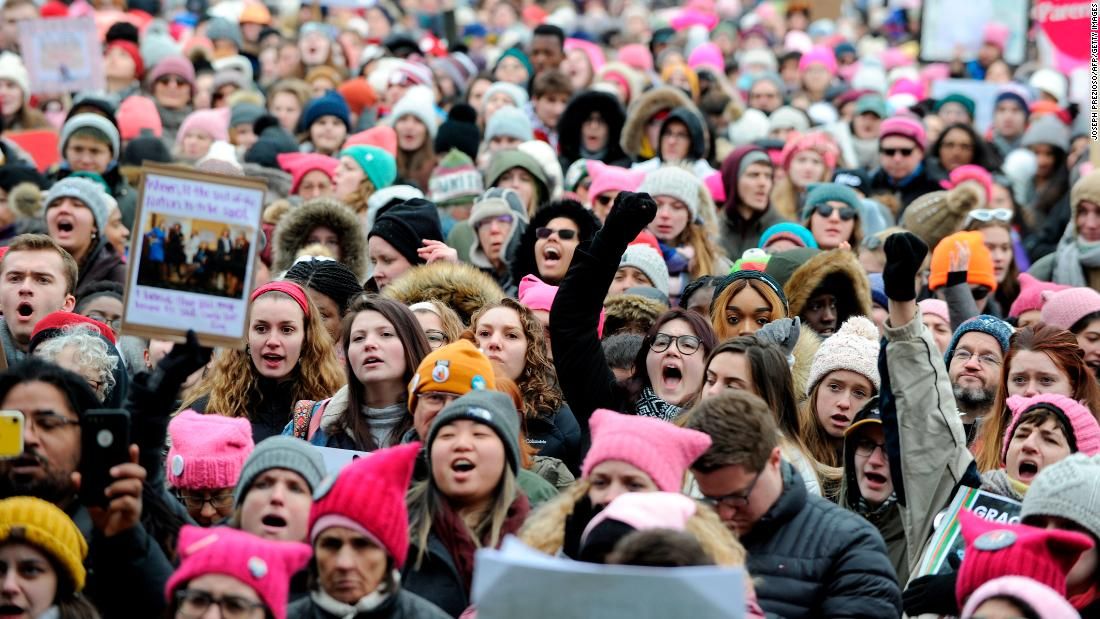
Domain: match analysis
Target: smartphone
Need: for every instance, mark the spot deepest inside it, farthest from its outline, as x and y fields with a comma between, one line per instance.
x=11, y=434
x=104, y=443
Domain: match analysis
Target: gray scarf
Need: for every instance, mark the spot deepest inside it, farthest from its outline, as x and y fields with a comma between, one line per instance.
x=998, y=482
x=1072, y=257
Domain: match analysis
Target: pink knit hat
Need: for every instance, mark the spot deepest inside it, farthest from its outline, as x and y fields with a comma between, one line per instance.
x=819, y=55
x=136, y=113
x=213, y=122
x=894, y=57
x=1086, y=432
x=1031, y=295
x=368, y=496
x=208, y=451
x=173, y=65
x=906, y=127
x=707, y=55
x=817, y=141
x=535, y=294
x=996, y=34
x=594, y=52
x=907, y=86
x=611, y=178
x=1065, y=307
x=646, y=510
x=264, y=565
x=382, y=136
x=1041, y=598
x=300, y=164
x=937, y=308
x=994, y=550
x=636, y=56
x=970, y=172
x=663, y=451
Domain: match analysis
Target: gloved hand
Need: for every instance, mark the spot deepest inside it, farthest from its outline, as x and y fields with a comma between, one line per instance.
x=629, y=215
x=905, y=253
x=934, y=594
x=575, y=523
x=783, y=332
x=182, y=361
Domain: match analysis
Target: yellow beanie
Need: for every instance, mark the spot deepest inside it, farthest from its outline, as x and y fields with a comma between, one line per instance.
x=457, y=368
x=41, y=523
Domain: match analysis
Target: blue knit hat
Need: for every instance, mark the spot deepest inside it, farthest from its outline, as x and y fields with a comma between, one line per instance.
x=878, y=290
x=990, y=325
x=1015, y=97
x=789, y=230
x=379, y=166
x=328, y=104
x=821, y=193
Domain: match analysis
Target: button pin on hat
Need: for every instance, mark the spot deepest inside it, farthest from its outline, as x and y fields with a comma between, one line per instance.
x=441, y=372
x=995, y=540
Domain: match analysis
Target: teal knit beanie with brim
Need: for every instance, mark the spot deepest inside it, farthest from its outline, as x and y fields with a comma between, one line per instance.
x=820, y=193
x=518, y=54
x=379, y=166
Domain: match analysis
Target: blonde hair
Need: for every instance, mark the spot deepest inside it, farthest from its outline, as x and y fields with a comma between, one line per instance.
x=357, y=200
x=452, y=324
x=819, y=448
x=232, y=384
x=707, y=252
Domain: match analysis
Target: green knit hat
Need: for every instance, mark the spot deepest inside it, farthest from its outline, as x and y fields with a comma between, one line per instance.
x=821, y=193
x=379, y=166
x=962, y=100
x=518, y=54
x=455, y=181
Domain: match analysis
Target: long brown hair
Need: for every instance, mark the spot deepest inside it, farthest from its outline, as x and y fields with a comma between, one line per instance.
x=417, y=164
x=233, y=384
x=771, y=378
x=707, y=252
x=415, y=346
x=357, y=200
x=641, y=378
x=1008, y=288
x=1062, y=348
x=538, y=382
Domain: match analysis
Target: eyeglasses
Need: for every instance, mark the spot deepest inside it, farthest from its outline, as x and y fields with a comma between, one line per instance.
x=500, y=219
x=113, y=323
x=564, y=234
x=49, y=422
x=195, y=502
x=989, y=214
x=846, y=213
x=963, y=355
x=735, y=500
x=865, y=447
x=436, y=338
x=686, y=344
x=194, y=603
x=172, y=80
x=893, y=152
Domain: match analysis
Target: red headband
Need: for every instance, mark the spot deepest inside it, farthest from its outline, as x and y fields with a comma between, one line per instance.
x=294, y=291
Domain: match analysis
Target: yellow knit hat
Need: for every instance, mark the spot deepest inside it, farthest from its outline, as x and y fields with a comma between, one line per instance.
x=457, y=368
x=41, y=523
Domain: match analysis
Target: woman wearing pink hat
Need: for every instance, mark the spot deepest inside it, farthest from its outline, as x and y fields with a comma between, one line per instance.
x=807, y=159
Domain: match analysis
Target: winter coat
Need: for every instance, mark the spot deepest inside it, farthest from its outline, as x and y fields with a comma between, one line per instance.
x=436, y=579
x=737, y=233
x=269, y=416
x=920, y=183
x=103, y=264
x=404, y=605
x=840, y=273
x=697, y=152
x=296, y=225
x=572, y=119
x=660, y=99
x=326, y=434
x=461, y=287
x=811, y=558
x=928, y=430
x=557, y=436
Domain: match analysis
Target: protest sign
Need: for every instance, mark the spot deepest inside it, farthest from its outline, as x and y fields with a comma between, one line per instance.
x=193, y=255
x=948, y=26
x=336, y=459
x=948, y=539
x=1066, y=24
x=983, y=94
x=502, y=588
x=62, y=55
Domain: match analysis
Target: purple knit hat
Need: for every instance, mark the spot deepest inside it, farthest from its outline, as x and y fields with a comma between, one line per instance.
x=208, y=451
x=1065, y=307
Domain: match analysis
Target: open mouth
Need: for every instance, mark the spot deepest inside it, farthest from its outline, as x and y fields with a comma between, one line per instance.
x=64, y=225
x=551, y=254
x=462, y=465
x=10, y=610
x=372, y=361
x=671, y=376
x=24, y=309
x=273, y=521
x=840, y=420
x=875, y=478
x=272, y=360
x=1027, y=470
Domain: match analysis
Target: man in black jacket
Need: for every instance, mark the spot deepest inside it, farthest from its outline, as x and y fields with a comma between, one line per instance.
x=809, y=557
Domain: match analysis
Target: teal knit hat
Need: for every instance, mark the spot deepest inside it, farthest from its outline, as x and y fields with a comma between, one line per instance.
x=379, y=166
x=962, y=100
x=821, y=193
x=518, y=54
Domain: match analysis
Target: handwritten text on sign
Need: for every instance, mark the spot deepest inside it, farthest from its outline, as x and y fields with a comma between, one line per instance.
x=183, y=198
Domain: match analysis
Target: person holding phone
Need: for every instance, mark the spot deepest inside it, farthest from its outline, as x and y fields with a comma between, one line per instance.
x=55, y=403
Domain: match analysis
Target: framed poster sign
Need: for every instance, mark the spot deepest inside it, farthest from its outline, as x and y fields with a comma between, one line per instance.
x=62, y=55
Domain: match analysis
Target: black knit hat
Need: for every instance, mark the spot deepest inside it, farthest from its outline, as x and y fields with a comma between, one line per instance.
x=273, y=140
x=145, y=148
x=122, y=31
x=459, y=131
x=328, y=277
x=405, y=225
x=14, y=174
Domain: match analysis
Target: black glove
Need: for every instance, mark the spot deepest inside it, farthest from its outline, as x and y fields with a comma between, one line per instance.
x=575, y=523
x=629, y=215
x=182, y=361
x=934, y=594
x=905, y=253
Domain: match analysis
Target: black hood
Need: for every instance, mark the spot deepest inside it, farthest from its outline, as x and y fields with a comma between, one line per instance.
x=694, y=124
x=569, y=126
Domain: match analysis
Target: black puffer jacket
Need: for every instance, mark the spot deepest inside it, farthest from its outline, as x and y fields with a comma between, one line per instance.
x=811, y=558
x=557, y=437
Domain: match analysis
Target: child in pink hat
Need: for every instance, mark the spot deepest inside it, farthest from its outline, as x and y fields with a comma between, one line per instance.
x=205, y=462
x=199, y=131
x=1027, y=307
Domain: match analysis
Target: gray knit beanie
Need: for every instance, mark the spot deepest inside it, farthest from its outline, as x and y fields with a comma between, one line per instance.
x=89, y=120
x=492, y=408
x=675, y=183
x=1047, y=130
x=509, y=122
x=87, y=191
x=1067, y=489
x=647, y=260
x=280, y=452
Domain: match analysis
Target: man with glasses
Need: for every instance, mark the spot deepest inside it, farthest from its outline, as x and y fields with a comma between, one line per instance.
x=974, y=359
x=809, y=557
x=901, y=172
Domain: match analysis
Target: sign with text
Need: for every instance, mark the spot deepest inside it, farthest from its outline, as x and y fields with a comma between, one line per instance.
x=193, y=255
x=62, y=55
x=948, y=539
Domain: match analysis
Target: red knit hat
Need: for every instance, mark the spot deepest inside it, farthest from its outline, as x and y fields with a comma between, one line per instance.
x=61, y=319
x=994, y=550
x=264, y=565
x=368, y=496
x=663, y=451
x=300, y=164
x=135, y=54
x=358, y=94
x=382, y=136
x=136, y=113
x=1085, y=429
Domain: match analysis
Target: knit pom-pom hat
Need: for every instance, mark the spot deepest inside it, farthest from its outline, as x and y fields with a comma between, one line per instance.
x=854, y=348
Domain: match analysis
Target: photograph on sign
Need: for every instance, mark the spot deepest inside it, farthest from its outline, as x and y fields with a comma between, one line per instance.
x=193, y=255
x=62, y=55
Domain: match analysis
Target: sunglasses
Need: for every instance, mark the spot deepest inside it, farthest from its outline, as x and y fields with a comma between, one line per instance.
x=172, y=80
x=989, y=214
x=501, y=219
x=891, y=152
x=846, y=213
x=564, y=234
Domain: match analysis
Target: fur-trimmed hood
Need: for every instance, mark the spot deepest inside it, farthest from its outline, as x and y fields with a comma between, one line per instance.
x=294, y=228
x=26, y=200
x=462, y=287
x=578, y=110
x=653, y=101
x=839, y=269
x=630, y=310
x=544, y=529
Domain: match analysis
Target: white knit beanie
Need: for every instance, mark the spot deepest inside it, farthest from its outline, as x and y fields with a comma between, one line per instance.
x=1069, y=489
x=12, y=68
x=420, y=102
x=510, y=122
x=675, y=183
x=854, y=348
x=648, y=261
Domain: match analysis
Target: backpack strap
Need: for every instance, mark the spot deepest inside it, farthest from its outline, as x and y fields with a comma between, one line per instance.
x=301, y=418
x=315, y=417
